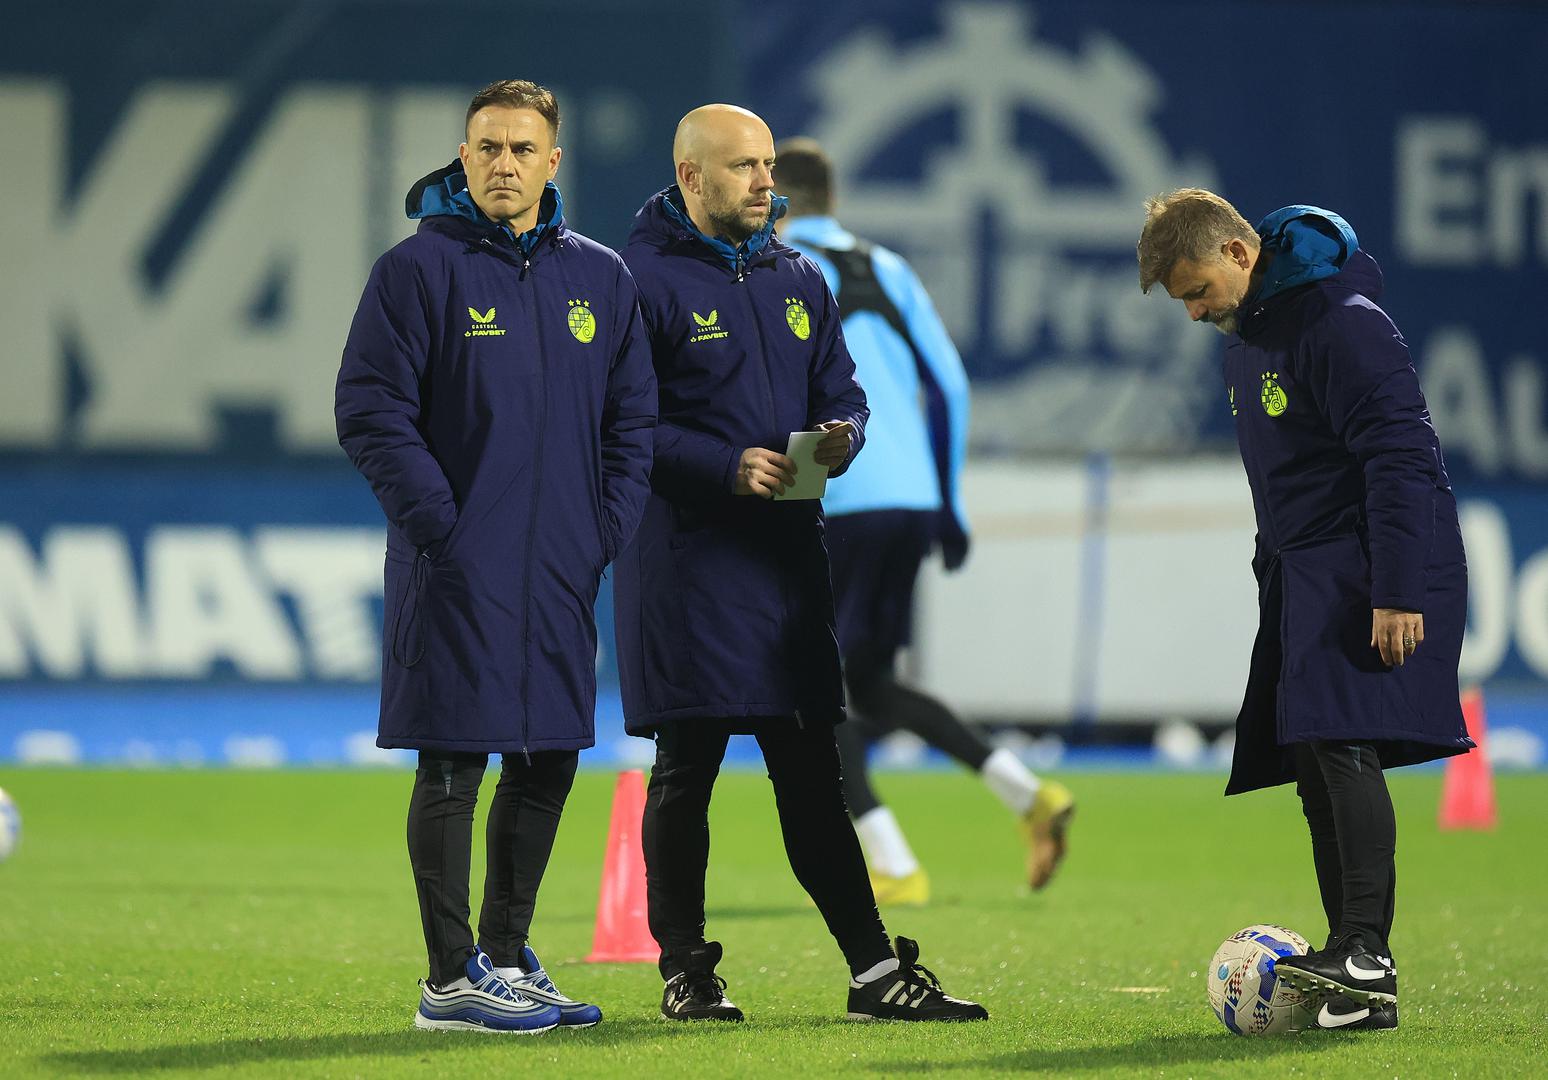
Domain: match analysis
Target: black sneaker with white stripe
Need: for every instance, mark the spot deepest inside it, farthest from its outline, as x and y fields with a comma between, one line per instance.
x=1384, y=1018
x=695, y=992
x=1338, y=1013
x=909, y=993
x=1346, y=968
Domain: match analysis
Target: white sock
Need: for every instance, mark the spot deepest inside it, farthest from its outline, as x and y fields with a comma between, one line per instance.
x=886, y=850
x=871, y=974
x=1011, y=781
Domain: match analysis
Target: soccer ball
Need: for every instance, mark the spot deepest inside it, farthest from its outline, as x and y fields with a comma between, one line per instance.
x=1244, y=991
x=10, y=826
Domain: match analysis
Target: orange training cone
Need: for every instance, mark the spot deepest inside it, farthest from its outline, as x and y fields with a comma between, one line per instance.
x=1467, y=794
x=623, y=932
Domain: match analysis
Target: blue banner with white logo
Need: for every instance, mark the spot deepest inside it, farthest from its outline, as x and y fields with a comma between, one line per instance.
x=194, y=197
x=1007, y=149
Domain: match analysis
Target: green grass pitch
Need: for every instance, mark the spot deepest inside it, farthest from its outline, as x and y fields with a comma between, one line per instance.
x=263, y=924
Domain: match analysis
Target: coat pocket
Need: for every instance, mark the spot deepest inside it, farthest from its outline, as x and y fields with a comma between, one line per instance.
x=406, y=629
x=444, y=546
x=1327, y=606
x=1331, y=677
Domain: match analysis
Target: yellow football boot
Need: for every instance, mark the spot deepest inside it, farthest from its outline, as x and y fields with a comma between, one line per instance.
x=910, y=890
x=1046, y=824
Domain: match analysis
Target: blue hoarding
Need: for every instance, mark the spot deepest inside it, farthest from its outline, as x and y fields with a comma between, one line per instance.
x=1007, y=148
x=195, y=196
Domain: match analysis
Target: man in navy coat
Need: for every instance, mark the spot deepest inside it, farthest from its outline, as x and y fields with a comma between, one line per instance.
x=497, y=392
x=723, y=604
x=1362, y=583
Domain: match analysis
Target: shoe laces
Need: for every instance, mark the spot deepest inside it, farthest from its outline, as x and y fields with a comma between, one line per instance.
x=534, y=974
x=920, y=975
x=911, y=970
x=540, y=981
x=493, y=985
x=704, y=987
x=490, y=981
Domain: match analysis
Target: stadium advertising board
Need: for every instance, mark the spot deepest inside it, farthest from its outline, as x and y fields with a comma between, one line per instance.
x=204, y=208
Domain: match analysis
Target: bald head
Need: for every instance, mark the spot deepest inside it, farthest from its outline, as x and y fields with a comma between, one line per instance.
x=709, y=127
x=724, y=158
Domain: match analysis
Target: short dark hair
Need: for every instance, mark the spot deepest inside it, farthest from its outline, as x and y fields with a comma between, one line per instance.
x=804, y=175
x=518, y=94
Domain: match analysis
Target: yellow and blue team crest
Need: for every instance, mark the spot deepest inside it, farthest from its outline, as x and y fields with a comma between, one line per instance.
x=797, y=318
x=583, y=324
x=1273, y=396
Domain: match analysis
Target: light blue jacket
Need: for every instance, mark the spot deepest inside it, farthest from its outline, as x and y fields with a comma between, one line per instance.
x=899, y=469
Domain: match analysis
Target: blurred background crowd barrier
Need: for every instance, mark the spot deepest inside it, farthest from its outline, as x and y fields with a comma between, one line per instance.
x=190, y=571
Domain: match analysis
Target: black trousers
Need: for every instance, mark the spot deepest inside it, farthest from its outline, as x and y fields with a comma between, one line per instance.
x=803, y=765
x=1354, y=837
x=523, y=818
x=875, y=557
x=879, y=705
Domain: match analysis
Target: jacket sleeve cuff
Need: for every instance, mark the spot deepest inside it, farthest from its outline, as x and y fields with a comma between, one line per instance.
x=733, y=461
x=427, y=530
x=1397, y=593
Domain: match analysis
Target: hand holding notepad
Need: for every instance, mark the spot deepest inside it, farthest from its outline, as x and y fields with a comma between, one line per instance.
x=814, y=453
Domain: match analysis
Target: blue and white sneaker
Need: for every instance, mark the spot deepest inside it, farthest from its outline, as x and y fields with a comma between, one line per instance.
x=482, y=1001
x=530, y=980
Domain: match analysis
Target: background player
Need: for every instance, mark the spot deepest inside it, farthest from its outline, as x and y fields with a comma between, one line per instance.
x=885, y=514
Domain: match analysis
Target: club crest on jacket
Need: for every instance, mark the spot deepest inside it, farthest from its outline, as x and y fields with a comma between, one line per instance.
x=583, y=324
x=797, y=318
x=1273, y=396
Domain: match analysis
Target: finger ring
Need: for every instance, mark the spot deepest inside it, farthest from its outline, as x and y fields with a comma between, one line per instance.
x=1409, y=642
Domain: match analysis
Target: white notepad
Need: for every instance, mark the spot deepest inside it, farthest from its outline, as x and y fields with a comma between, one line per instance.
x=811, y=479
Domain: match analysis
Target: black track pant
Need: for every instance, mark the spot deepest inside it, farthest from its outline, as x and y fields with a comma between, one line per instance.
x=803, y=765
x=875, y=557
x=1354, y=835
x=879, y=705
x=523, y=819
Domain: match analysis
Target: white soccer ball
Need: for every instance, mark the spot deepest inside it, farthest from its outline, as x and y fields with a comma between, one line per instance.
x=1244, y=991
x=10, y=825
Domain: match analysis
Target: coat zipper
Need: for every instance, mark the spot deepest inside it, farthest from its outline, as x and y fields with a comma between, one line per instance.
x=768, y=385
x=537, y=487
x=763, y=350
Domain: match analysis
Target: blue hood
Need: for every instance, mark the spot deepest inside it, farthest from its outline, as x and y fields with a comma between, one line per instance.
x=445, y=193
x=664, y=218
x=1307, y=244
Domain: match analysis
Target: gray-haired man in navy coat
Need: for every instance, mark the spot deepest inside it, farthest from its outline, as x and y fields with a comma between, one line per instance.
x=1362, y=584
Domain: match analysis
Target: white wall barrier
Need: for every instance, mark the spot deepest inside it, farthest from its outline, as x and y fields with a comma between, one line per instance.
x=1125, y=592
x=1095, y=592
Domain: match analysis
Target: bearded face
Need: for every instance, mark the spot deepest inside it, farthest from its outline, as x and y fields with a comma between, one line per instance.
x=738, y=199
x=1213, y=289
